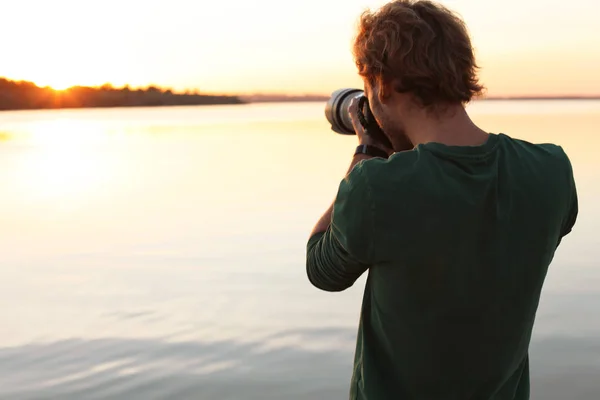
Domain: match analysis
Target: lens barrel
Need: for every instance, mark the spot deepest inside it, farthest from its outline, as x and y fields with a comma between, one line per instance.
x=336, y=110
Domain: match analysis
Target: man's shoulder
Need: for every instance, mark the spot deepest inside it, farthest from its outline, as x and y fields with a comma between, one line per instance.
x=541, y=149
x=399, y=165
x=548, y=157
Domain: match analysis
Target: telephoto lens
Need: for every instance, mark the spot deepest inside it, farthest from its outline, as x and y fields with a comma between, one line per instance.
x=337, y=110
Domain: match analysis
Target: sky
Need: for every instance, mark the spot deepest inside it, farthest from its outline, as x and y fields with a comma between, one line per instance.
x=524, y=47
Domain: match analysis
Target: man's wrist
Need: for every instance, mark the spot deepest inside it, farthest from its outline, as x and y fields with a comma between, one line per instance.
x=371, y=142
x=370, y=151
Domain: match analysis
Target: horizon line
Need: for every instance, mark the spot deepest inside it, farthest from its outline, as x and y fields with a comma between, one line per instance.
x=292, y=95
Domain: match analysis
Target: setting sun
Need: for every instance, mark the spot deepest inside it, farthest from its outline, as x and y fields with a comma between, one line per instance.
x=61, y=79
x=57, y=86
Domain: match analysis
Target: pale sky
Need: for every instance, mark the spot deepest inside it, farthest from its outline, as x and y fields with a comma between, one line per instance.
x=525, y=47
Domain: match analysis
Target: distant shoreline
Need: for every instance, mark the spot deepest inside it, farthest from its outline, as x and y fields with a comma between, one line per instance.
x=22, y=95
x=205, y=100
x=28, y=96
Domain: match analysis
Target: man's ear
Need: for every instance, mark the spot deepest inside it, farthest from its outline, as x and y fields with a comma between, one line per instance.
x=384, y=90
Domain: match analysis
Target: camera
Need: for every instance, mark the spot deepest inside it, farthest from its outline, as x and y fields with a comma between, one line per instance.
x=338, y=114
x=336, y=110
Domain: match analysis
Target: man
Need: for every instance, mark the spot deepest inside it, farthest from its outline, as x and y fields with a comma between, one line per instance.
x=456, y=228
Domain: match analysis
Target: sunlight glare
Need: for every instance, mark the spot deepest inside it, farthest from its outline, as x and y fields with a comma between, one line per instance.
x=66, y=164
x=56, y=81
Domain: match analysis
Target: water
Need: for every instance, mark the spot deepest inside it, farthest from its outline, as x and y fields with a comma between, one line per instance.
x=159, y=254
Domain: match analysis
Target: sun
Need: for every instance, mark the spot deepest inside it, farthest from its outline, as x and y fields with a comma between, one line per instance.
x=61, y=80
x=57, y=84
x=60, y=87
x=60, y=84
x=64, y=75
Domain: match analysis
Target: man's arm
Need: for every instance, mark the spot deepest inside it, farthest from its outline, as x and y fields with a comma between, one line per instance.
x=338, y=251
x=573, y=207
x=325, y=220
x=341, y=243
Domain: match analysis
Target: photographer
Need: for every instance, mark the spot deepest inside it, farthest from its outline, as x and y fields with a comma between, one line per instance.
x=456, y=226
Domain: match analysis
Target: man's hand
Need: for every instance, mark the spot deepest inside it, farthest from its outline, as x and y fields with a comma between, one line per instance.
x=363, y=137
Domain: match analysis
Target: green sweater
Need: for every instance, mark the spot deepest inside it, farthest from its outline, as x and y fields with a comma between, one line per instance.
x=457, y=242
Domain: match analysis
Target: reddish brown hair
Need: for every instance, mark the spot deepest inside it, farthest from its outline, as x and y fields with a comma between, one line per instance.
x=419, y=47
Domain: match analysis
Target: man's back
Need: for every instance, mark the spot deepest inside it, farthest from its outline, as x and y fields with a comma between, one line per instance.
x=457, y=241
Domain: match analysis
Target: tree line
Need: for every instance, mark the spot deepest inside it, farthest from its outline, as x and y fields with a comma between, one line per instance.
x=22, y=95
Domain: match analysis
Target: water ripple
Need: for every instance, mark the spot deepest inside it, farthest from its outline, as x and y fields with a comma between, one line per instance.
x=272, y=368
x=156, y=369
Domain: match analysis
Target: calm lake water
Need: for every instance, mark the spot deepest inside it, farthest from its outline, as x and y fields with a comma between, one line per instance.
x=159, y=254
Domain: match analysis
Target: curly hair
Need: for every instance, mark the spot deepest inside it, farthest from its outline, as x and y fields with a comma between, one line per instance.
x=419, y=47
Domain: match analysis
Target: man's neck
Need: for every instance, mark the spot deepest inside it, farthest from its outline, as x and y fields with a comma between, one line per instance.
x=453, y=127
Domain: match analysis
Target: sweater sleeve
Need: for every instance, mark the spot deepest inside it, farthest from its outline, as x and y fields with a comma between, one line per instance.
x=337, y=257
x=573, y=204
